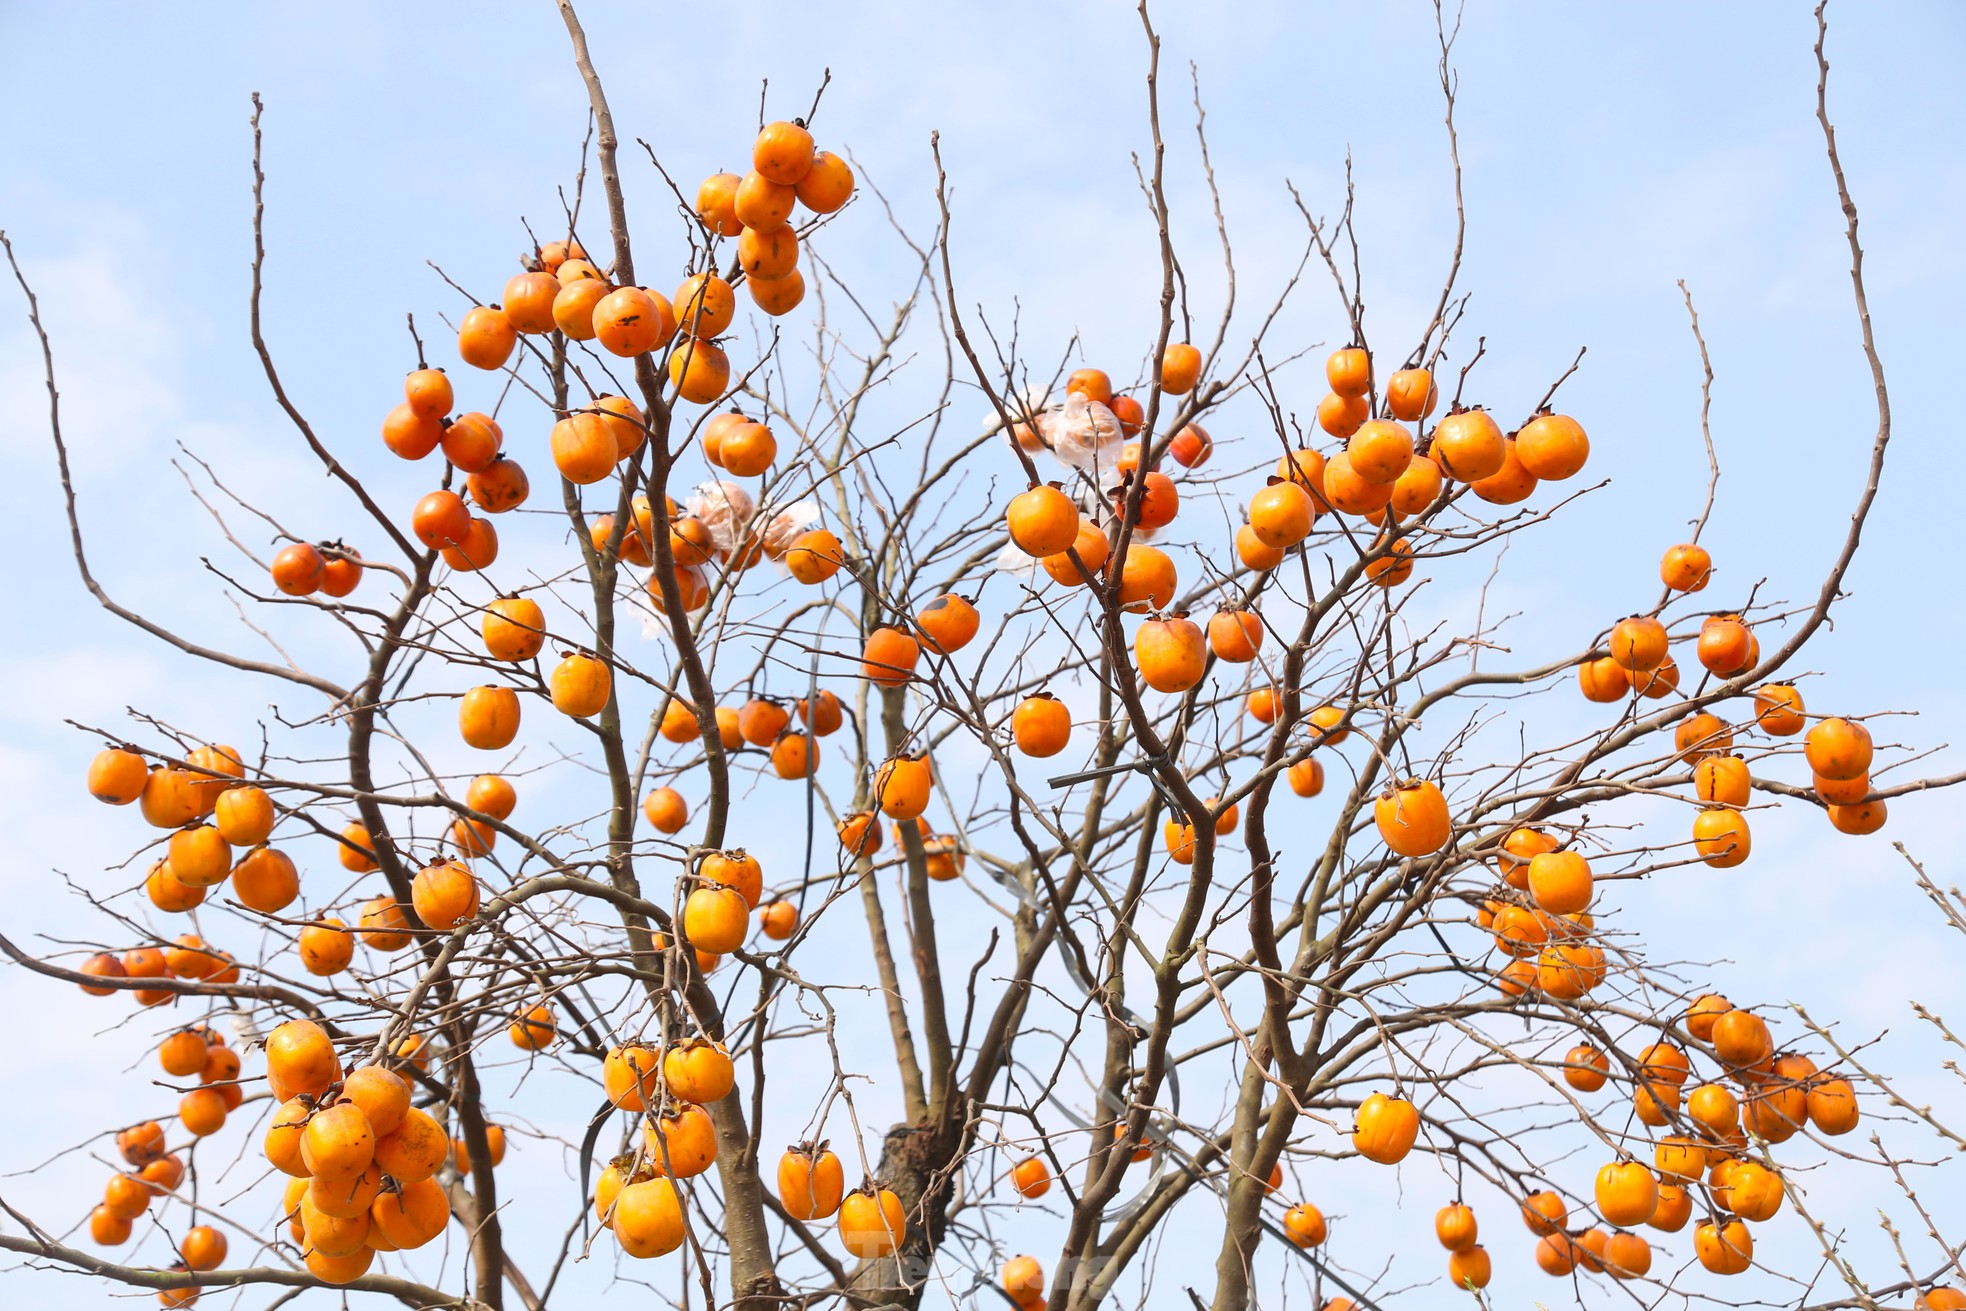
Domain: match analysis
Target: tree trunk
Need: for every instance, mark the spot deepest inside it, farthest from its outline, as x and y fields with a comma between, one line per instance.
x=916, y=1164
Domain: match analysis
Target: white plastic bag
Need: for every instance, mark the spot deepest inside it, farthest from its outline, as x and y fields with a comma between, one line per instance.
x=725, y=509
x=1029, y=401
x=1082, y=434
x=1013, y=561
x=784, y=527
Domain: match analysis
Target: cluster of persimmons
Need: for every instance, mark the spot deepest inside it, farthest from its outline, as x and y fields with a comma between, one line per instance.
x=1542, y=926
x=363, y=1160
x=1545, y=931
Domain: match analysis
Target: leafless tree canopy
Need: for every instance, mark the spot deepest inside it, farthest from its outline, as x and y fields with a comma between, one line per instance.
x=1306, y=876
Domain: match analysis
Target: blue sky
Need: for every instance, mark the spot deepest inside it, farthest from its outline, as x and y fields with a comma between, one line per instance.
x=1610, y=151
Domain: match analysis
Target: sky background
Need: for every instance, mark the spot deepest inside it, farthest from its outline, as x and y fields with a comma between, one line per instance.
x=1609, y=152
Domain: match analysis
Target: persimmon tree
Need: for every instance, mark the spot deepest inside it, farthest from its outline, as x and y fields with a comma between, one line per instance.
x=1154, y=827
